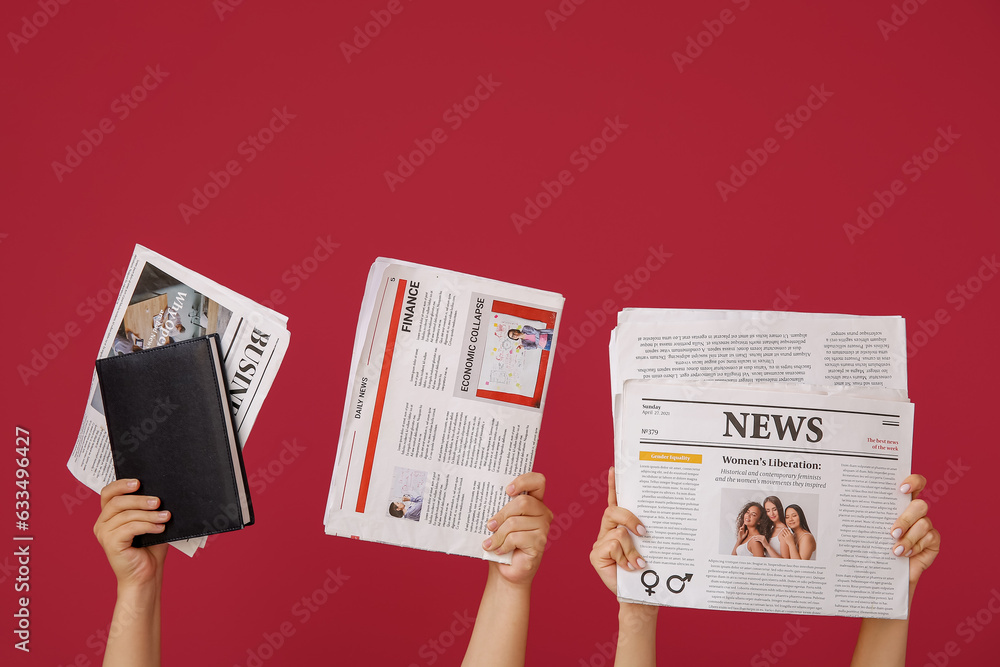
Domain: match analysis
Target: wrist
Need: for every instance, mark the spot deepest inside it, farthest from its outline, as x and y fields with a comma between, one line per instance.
x=633, y=612
x=139, y=591
x=138, y=604
x=497, y=583
x=913, y=588
x=637, y=630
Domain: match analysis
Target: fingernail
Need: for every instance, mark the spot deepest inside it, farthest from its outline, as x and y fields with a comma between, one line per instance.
x=163, y=515
x=510, y=490
x=492, y=525
x=909, y=552
x=897, y=533
x=898, y=550
x=905, y=488
x=641, y=530
x=629, y=565
x=153, y=502
x=487, y=543
x=132, y=484
x=641, y=562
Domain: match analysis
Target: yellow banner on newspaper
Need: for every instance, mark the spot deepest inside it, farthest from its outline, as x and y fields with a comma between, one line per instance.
x=668, y=457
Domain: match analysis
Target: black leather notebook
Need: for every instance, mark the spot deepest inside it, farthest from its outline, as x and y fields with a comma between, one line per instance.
x=171, y=428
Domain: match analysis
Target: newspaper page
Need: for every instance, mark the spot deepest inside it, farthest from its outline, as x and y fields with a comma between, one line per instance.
x=718, y=473
x=161, y=302
x=759, y=347
x=852, y=354
x=443, y=408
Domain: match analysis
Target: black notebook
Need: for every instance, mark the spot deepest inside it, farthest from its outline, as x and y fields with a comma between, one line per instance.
x=171, y=428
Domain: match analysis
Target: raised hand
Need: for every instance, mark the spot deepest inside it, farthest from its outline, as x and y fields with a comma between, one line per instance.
x=614, y=546
x=122, y=518
x=521, y=527
x=916, y=537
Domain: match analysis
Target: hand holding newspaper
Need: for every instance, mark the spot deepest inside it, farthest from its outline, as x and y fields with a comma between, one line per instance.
x=162, y=302
x=443, y=406
x=762, y=452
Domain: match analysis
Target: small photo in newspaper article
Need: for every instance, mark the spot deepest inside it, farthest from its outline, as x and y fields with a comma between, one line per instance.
x=769, y=523
x=515, y=357
x=164, y=310
x=406, y=497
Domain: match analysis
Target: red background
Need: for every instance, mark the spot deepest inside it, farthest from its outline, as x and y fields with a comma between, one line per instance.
x=323, y=176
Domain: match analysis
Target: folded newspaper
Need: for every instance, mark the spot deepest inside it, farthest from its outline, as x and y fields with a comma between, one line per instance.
x=162, y=302
x=762, y=451
x=443, y=408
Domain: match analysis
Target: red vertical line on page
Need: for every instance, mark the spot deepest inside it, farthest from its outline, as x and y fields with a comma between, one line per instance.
x=347, y=476
x=383, y=380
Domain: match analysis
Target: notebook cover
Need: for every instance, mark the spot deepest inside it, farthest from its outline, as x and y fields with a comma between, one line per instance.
x=167, y=426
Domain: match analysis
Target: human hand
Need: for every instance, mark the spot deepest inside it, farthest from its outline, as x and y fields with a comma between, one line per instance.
x=881, y=641
x=521, y=527
x=916, y=538
x=122, y=518
x=758, y=538
x=785, y=535
x=406, y=499
x=741, y=534
x=614, y=546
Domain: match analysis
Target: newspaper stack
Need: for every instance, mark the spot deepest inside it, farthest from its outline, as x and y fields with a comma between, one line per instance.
x=763, y=452
x=443, y=408
x=162, y=302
